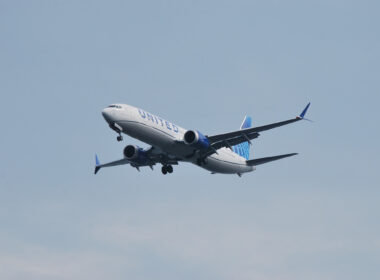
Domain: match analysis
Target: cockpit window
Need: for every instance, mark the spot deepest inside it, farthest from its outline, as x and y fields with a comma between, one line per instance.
x=115, y=106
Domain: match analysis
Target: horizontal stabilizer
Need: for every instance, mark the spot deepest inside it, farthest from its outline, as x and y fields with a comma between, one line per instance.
x=254, y=162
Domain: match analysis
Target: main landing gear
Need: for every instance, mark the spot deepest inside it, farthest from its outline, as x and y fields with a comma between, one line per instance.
x=167, y=169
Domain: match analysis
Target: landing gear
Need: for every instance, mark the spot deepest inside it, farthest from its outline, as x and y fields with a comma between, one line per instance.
x=118, y=129
x=164, y=170
x=167, y=169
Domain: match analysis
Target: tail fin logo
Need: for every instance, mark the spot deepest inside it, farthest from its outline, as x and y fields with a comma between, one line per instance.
x=242, y=149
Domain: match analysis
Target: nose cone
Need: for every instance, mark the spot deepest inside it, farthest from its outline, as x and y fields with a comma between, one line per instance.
x=106, y=112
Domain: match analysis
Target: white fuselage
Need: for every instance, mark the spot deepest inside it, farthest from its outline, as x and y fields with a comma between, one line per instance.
x=168, y=137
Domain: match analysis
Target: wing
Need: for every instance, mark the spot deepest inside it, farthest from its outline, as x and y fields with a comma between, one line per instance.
x=230, y=139
x=254, y=162
x=154, y=156
x=112, y=163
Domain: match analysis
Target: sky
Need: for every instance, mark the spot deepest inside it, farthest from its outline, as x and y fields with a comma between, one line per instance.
x=203, y=65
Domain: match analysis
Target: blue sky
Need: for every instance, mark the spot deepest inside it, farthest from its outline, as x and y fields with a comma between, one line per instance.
x=203, y=65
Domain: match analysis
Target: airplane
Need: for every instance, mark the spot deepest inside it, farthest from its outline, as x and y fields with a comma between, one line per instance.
x=226, y=153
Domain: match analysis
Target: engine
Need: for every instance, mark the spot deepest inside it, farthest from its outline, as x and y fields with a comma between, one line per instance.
x=135, y=154
x=196, y=139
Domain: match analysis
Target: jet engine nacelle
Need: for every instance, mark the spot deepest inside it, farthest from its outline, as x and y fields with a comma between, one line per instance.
x=135, y=154
x=196, y=139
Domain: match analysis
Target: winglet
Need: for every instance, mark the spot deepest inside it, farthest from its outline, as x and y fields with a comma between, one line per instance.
x=97, y=164
x=247, y=122
x=304, y=111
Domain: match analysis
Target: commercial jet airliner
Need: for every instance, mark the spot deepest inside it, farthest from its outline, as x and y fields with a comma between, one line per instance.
x=226, y=153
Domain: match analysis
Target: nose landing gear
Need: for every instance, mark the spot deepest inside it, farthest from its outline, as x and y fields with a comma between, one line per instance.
x=167, y=169
x=119, y=138
x=118, y=129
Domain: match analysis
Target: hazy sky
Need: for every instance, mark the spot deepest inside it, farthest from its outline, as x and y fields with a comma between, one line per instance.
x=203, y=65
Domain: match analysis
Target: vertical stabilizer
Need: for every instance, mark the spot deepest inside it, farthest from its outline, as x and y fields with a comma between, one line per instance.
x=243, y=149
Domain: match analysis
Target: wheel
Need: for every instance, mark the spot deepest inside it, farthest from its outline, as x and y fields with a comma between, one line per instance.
x=169, y=169
x=119, y=138
x=164, y=170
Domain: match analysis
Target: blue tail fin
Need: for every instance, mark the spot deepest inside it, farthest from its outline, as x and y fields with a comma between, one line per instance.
x=242, y=149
